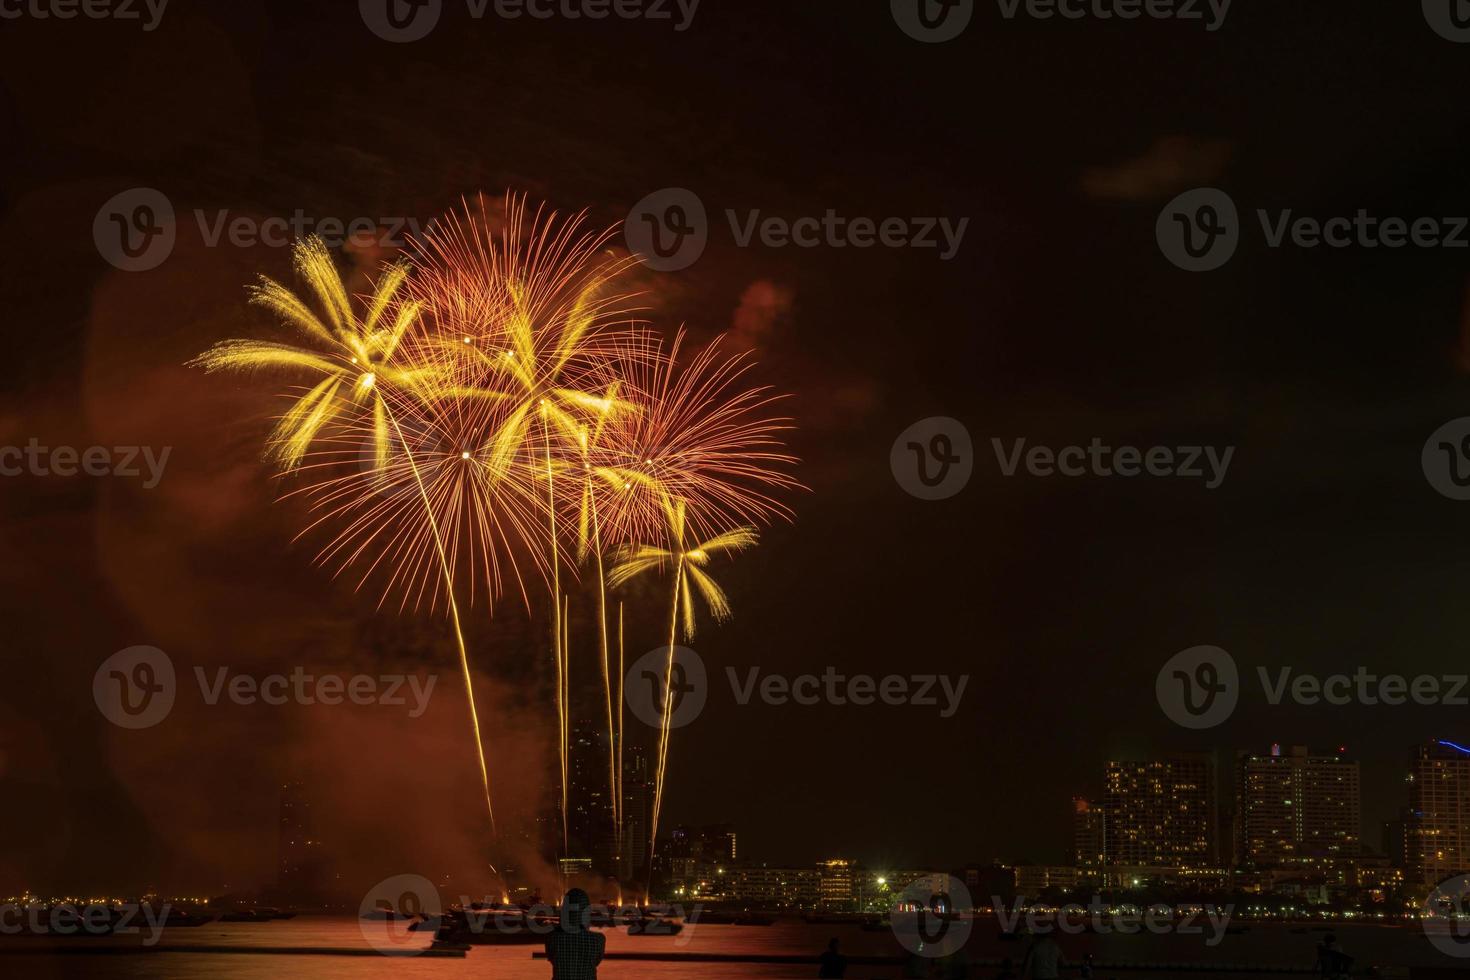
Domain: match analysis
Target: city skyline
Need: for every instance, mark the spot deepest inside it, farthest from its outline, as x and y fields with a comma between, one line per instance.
x=1235, y=819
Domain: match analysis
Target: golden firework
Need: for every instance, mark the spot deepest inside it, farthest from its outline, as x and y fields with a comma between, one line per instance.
x=491, y=415
x=354, y=357
x=689, y=561
x=365, y=353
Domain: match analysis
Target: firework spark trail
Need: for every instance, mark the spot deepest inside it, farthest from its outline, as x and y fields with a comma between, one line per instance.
x=666, y=720
x=612, y=733
x=357, y=351
x=563, y=696
x=589, y=538
x=464, y=658
x=618, y=782
x=558, y=640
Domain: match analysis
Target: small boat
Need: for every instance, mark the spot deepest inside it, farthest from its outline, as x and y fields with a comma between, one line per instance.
x=176, y=918
x=508, y=926
x=732, y=919
x=655, y=927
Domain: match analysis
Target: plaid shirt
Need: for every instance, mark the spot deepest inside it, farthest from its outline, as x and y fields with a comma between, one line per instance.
x=575, y=955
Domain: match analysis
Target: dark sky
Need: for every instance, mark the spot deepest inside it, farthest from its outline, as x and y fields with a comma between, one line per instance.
x=1058, y=321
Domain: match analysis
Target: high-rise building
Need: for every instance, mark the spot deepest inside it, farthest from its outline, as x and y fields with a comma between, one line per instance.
x=1437, y=825
x=632, y=862
x=1394, y=841
x=1296, y=808
x=838, y=883
x=1033, y=880
x=589, y=799
x=992, y=882
x=762, y=887
x=691, y=855
x=1089, y=834
x=300, y=861
x=1160, y=814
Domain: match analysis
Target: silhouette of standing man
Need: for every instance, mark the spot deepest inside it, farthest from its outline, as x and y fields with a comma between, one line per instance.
x=833, y=963
x=574, y=949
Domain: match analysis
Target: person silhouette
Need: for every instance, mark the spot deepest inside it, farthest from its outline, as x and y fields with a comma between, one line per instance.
x=573, y=948
x=833, y=963
x=1044, y=960
x=1331, y=960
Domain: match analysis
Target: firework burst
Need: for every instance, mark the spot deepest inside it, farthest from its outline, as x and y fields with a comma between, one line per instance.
x=493, y=418
x=698, y=437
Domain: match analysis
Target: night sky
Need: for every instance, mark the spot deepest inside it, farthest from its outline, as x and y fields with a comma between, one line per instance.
x=1059, y=320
